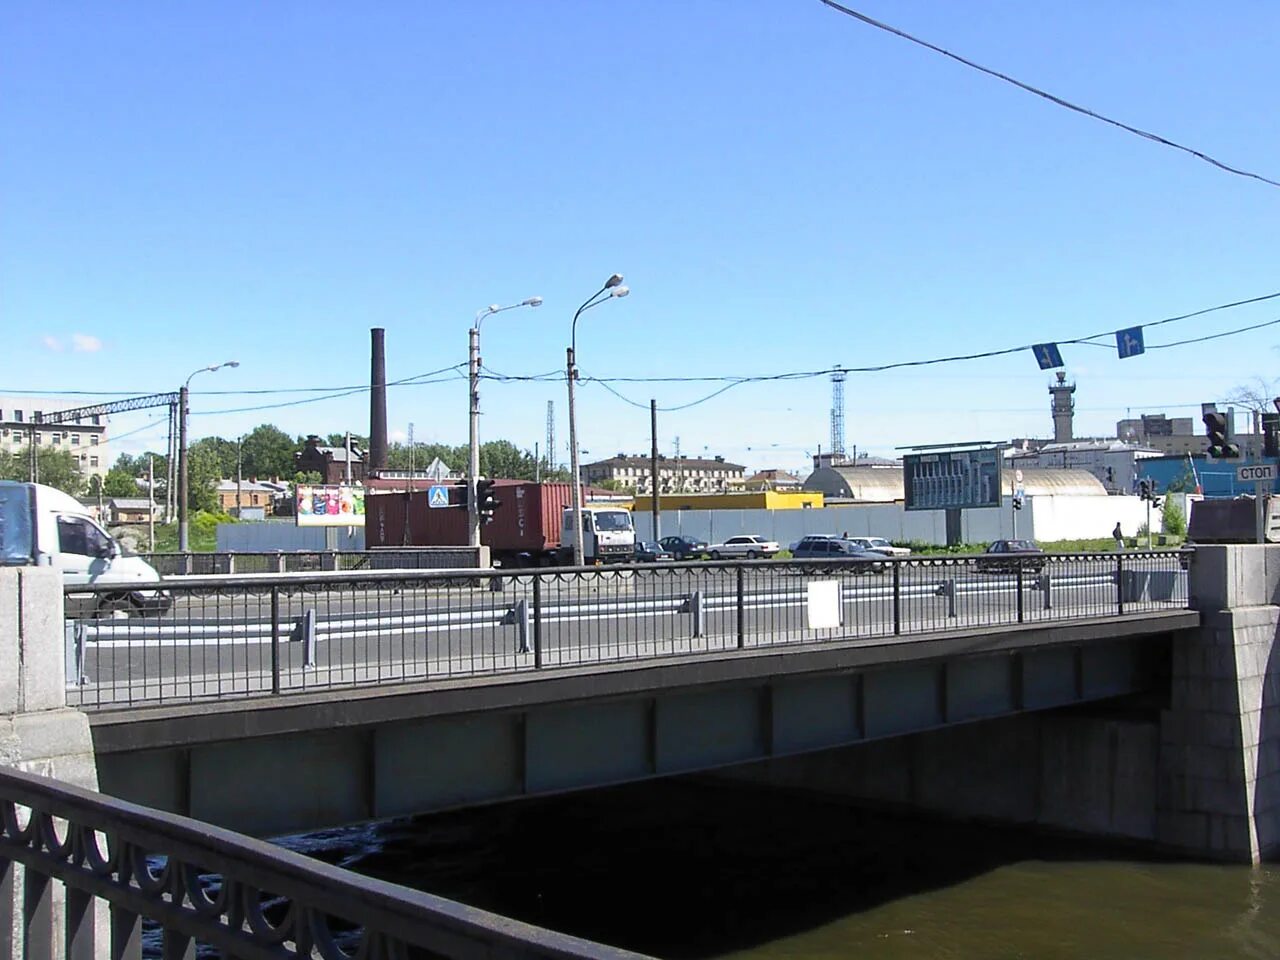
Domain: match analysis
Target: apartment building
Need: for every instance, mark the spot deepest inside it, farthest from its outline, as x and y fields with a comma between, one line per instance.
x=24, y=420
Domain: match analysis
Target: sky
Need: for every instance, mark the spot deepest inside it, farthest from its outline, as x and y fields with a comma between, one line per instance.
x=784, y=189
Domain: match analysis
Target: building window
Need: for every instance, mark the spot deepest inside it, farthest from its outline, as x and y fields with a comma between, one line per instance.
x=93, y=461
x=17, y=416
x=57, y=439
x=75, y=439
x=93, y=440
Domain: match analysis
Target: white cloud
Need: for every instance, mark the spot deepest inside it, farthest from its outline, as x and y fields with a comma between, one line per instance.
x=84, y=343
x=51, y=343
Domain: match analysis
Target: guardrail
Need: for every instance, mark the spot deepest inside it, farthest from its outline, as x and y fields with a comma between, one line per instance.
x=223, y=637
x=311, y=561
x=172, y=884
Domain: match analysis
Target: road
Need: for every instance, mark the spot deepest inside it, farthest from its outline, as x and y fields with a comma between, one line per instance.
x=220, y=644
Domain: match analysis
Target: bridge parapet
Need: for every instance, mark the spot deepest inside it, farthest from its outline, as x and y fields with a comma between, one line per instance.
x=1220, y=738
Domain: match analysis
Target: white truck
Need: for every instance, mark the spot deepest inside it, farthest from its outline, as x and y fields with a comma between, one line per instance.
x=608, y=535
x=43, y=526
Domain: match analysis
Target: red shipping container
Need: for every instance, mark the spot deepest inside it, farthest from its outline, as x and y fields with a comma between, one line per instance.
x=527, y=519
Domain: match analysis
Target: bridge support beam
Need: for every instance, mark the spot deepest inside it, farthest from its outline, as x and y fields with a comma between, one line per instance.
x=40, y=734
x=1220, y=738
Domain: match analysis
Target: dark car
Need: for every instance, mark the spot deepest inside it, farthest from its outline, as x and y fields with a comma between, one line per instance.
x=1007, y=556
x=650, y=551
x=684, y=548
x=827, y=554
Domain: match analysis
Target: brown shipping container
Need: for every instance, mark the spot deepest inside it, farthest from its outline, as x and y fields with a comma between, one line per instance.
x=527, y=519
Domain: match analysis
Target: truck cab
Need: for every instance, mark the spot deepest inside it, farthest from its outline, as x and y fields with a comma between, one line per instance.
x=43, y=526
x=608, y=535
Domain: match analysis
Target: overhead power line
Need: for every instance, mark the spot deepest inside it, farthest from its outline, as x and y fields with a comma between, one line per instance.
x=1085, y=111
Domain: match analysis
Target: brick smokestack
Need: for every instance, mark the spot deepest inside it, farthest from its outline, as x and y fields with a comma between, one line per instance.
x=378, y=403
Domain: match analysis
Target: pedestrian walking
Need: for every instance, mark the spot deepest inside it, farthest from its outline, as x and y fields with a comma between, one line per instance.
x=1118, y=536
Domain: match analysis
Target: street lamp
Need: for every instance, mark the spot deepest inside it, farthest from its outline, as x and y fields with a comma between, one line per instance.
x=184, y=544
x=612, y=288
x=473, y=443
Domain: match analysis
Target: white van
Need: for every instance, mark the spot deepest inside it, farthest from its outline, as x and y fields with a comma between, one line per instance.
x=43, y=526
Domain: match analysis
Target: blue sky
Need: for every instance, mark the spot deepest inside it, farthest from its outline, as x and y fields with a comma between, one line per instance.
x=785, y=189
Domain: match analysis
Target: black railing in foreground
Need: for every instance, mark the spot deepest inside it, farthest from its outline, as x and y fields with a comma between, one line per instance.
x=223, y=637
x=201, y=885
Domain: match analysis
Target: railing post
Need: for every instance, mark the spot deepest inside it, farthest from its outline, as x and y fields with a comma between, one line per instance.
x=537, y=621
x=949, y=591
x=1046, y=584
x=1018, y=587
x=897, y=598
x=523, y=624
x=695, y=608
x=742, y=608
x=1120, y=583
x=275, y=640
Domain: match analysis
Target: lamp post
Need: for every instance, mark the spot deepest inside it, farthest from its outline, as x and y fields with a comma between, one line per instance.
x=184, y=544
x=612, y=288
x=473, y=440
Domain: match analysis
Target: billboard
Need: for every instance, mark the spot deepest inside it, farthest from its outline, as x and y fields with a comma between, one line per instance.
x=329, y=505
x=954, y=480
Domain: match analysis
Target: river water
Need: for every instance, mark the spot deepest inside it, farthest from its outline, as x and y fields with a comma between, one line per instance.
x=689, y=868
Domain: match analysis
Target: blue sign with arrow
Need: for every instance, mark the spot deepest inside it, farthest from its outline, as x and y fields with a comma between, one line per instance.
x=1129, y=342
x=1048, y=355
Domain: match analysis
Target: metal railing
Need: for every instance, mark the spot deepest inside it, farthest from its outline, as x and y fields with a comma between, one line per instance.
x=245, y=636
x=171, y=884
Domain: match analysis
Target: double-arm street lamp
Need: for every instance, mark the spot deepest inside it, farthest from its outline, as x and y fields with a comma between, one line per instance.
x=612, y=288
x=473, y=447
x=184, y=543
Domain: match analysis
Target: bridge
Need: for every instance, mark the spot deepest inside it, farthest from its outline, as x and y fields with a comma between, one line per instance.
x=346, y=697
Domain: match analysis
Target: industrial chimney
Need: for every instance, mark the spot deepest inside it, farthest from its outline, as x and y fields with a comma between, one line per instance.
x=378, y=404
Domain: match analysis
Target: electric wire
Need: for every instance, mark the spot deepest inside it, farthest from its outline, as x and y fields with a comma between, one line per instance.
x=1084, y=111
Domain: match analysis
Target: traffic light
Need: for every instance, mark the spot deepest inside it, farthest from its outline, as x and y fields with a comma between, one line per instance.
x=1017, y=502
x=486, y=502
x=1220, y=445
x=1144, y=488
x=1271, y=434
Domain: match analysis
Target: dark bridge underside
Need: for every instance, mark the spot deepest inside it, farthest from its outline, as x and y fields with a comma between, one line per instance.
x=306, y=762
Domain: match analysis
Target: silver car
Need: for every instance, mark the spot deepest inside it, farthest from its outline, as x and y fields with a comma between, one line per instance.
x=746, y=546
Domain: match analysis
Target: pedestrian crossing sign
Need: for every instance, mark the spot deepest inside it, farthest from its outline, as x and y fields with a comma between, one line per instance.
x=438, y=496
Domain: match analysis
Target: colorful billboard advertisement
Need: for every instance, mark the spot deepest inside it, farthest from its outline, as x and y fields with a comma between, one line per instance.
x=956, y=480
x=323, y=505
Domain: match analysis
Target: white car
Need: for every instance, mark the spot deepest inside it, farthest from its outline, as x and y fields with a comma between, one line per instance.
x=881, y=545
x=748, y=545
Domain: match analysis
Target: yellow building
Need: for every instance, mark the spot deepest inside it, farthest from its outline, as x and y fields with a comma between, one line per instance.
x=758, y=500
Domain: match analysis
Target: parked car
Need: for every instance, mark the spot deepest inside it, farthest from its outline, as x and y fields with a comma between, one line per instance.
x=881, y=545
x=1005, y=556
x=650, y=551
x=684, y=548
x=746, y=545
x=811, y=537
x=826, y=554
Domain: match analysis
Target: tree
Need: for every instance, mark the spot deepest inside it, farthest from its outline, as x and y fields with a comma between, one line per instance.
x=340, y=440
x=203, y=473
x=56, y=468
x=1173, y=519
x=268, y=451
x=502, y=458
x=119, y=483
x=224, y=451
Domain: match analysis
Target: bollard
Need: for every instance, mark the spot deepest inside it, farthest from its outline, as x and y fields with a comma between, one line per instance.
x=948, y=590
x=1043, y=583
x=695, y=608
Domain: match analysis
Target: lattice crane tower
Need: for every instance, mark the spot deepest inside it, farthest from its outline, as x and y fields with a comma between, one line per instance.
x=837, y=414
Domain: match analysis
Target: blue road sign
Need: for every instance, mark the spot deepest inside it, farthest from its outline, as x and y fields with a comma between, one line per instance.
x=1129, y=342
x=437, y=496
x=1048, y=355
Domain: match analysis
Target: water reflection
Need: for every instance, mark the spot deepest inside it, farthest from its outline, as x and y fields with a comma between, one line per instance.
x=695, y=869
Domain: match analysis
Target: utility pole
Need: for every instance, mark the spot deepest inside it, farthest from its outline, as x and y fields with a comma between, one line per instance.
x=653, y=467
x=348, y=458
x=571, y=375
x=239, y=475
x=184, y=544
x=151, y=503
x=473, y=443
